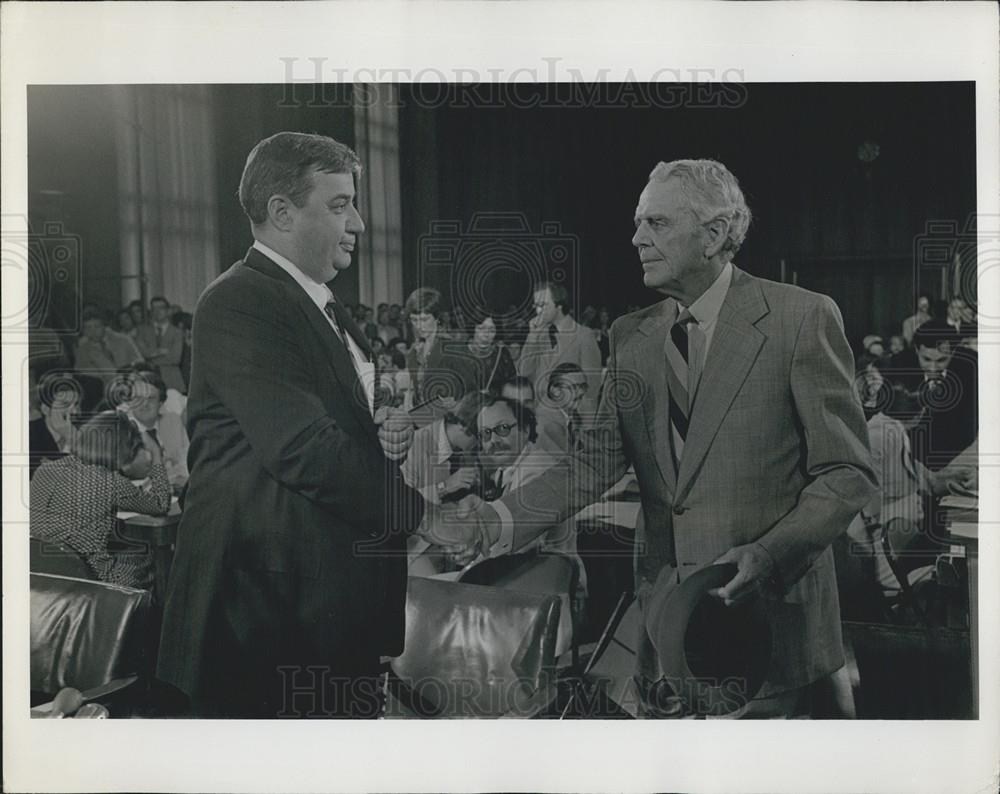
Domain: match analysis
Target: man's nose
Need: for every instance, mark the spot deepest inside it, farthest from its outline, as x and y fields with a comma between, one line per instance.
x=639, y=238
x=354, y=222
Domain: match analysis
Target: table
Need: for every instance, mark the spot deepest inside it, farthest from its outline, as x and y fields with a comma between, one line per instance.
x=160, y=532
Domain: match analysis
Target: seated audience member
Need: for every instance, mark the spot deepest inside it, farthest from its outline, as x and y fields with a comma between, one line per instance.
x=941, y=378
x=74, y=500
x=386, y=330
x=442, y=465
x=144, y=403
x=904, y=483
x=51, y=434
x=126, y=325
x=519, y=388
x=138, y=312
x=559, y=419
x=434, y=369
x=484, y=363
x=511, y=458
x=101, y=352
x=873, y=345
x=162, y=343
x=896, y=344
x=921, y=316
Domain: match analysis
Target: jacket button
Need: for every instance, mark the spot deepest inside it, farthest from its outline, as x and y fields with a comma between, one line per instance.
x=678, y=510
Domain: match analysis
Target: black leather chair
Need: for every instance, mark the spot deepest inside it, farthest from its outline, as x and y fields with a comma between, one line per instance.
x=474, y=651
x=86, y=635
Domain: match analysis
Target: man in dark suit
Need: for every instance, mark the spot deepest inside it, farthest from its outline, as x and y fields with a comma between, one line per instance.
x=733, y=400
x=289, y=578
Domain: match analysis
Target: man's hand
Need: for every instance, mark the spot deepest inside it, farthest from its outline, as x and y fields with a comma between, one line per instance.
x=754, y=568
x=460, y=480
x=451, y=527
x=395, y=432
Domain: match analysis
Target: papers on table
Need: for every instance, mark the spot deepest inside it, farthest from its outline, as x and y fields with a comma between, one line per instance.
x=965, y=529
x=960, y=502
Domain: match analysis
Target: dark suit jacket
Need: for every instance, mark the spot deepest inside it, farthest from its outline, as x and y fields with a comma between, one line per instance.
x=443, y=374
x=291, y=549
x=776, y=453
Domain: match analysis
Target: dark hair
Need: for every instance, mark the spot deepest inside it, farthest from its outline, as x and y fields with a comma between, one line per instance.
x=159, y=298
x=109, y=439
x=183, y=320
x=395, y=341
x=425, y=300
x=559, y=293
x=398, y=359
x=523, y=415
x=466, y=412
x=283, y=164
x=934, y=333
x=121, y=389
x=566, y=368
x=56, y=382
x=518, y=382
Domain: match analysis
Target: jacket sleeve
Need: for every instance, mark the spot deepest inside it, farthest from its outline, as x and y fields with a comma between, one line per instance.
x=837, y=459
x=580, y=479
x=253, y=358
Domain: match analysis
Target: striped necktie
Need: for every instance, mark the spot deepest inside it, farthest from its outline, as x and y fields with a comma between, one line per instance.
x=678, y=370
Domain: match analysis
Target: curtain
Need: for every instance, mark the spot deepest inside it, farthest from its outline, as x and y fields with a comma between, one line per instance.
x=376, y=138
x=167, y=197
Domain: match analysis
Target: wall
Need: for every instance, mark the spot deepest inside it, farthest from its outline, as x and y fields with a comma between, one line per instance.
x=794, y=148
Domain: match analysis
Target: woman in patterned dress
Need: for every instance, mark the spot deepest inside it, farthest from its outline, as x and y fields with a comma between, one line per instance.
x=74, y=500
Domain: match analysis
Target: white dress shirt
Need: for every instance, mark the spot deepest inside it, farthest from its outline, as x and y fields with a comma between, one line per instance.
x=320, y=295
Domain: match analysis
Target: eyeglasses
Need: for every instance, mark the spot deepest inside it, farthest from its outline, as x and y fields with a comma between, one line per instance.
x=501, y=431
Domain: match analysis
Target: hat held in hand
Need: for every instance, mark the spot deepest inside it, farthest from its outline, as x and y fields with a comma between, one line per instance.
x=714, y=657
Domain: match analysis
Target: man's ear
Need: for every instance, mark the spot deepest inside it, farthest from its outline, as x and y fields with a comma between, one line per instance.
x=279, y=212
x=718, y=233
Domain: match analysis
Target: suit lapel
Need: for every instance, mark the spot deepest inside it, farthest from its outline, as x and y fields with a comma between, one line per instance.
x=736, y=344
x=336, y=352
x=648, y=361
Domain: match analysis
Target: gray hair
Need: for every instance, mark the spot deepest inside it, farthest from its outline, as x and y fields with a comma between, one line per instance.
x=713, y=192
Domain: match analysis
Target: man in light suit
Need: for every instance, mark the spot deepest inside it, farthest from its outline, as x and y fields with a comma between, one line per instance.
x=289, y=579
x=556, y=338
x=733, y=399
x=162, y=343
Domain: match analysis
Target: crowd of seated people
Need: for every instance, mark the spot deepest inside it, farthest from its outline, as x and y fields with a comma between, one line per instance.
x=921, y=402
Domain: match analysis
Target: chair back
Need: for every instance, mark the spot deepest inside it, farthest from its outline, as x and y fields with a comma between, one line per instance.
x=476, y=651
x=84, y=633
x=45, y=556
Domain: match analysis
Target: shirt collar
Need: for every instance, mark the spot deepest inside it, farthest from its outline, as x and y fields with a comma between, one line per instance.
x=444, y=450
x=511, y=470
x=708, y=305
x=318, y=293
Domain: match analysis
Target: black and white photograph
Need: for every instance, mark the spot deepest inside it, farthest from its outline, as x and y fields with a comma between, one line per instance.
x=583, y=394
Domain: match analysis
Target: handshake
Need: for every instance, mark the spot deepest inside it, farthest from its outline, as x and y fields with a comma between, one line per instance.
x=463, y=530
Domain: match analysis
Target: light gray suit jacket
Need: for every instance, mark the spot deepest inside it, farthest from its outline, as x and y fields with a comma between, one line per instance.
x=776, y=453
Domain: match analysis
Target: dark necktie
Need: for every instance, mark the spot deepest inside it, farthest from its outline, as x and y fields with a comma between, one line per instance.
x=553, y=335
x=345, y=325
x=153, y=435
x=454, y=462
